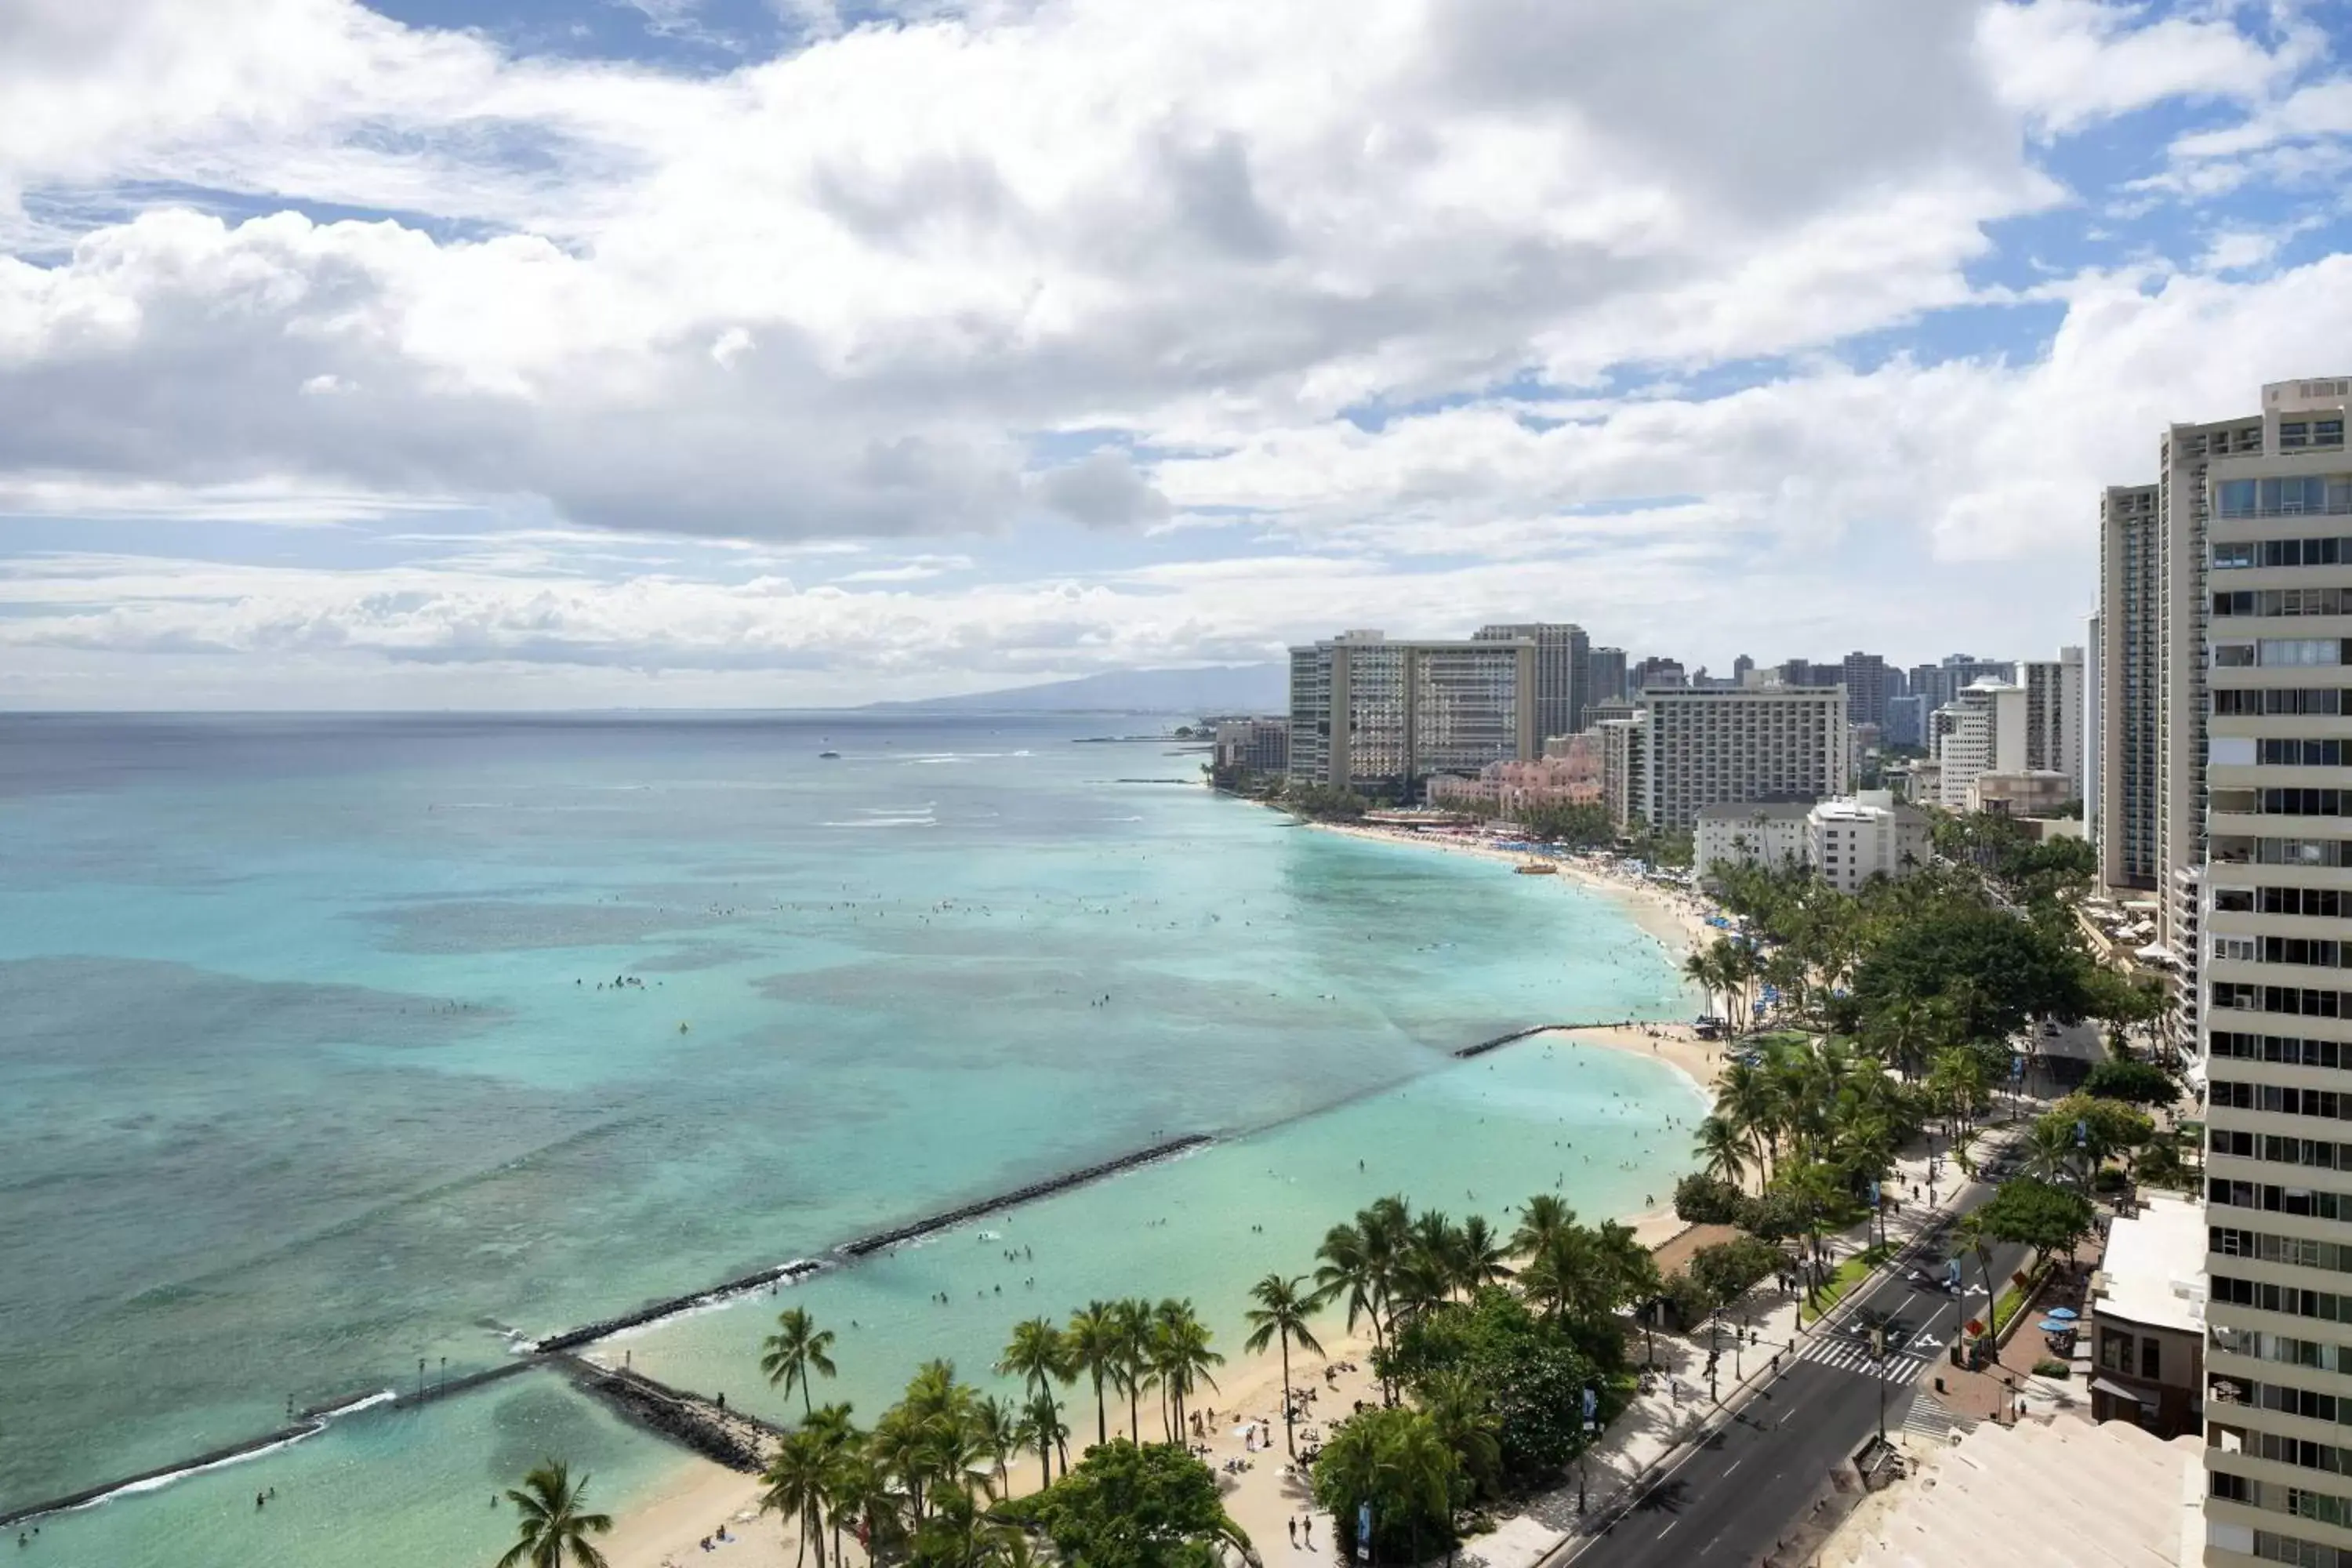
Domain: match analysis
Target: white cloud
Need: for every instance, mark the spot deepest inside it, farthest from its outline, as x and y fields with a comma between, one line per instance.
x=2069, y=62
x=1011, y=265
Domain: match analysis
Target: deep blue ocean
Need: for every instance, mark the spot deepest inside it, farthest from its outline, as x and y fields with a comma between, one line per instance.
x=331, y=1045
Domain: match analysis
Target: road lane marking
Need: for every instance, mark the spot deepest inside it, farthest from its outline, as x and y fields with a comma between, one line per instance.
x=1735, y=1464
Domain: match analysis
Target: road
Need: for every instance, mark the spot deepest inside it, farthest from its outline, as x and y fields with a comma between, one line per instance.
x=1732, y=1497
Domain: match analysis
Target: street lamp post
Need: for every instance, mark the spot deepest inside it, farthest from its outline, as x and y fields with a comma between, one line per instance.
x=1878, y=1354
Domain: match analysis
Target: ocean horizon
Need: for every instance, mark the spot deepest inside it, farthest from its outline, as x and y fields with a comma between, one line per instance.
x=342, y=1044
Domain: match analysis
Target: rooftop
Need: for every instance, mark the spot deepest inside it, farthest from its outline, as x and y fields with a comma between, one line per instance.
x=2064, y=1494
x=1749, y=810
x=2153, y=1272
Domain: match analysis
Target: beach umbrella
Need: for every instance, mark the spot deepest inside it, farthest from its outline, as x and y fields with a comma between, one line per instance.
x=2052, y=1326
x=2068, y=1312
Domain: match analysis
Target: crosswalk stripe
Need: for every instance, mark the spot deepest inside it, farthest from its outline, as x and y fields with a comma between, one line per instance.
x=1848, y=1356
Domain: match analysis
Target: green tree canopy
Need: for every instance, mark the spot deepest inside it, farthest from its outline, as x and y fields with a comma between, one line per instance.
x=1990, y=971
x=2109, y=1126
x=1702, y=1199
x=2133, y=1083
x=1128, y=1507
x=1398, y=1461
x=1533, y=1372
x=2036, y=1214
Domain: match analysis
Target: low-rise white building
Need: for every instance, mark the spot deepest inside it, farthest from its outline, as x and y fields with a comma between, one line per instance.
x=1760, y=833
x=1851, y=841
x=1845, y=841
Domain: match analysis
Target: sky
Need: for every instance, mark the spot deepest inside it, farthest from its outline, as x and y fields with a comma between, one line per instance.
x=509, y=353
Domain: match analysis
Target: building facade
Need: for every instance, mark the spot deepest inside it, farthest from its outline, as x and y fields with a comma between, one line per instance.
x=1845, y=842
x=1511, y=789
x=2053, y=713
x=1624, y=772
x=1731, y=747
x=1252, y=746
x=1379, y=717
x=2146, y=1319
x=2253, y=815
x=1980, y=731
x=1658, y=670
x=1871, y=683
x=2021, y=795
x=1563, y=672
x=2093, y=729
x=1604, y=678
x=2131, y=716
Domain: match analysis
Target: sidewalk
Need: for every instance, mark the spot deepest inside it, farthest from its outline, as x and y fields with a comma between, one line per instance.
x=1754, y=1333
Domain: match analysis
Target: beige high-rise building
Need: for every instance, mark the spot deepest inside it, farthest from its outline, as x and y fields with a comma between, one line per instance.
x=1722, y=746
x=1379, y=717
x=2131, y=711
x=2053, y=715
x=2251, y=737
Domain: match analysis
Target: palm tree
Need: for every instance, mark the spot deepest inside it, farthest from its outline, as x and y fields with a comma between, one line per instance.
x=1701, y=970
x=1092, y=1347
x=1039, y=1355
x=554, y=1530
x=860, y=1491
x=1405, y=1461
x=1434, y=1244
x=1132, y=1321
x=1182, y=1357
x=795, y=1352
x=1281, y=1314
x=796, y=1480
x=838, y=1435
x=1462, y=1409
x=2049, y=1153
x=1348, y=1272
x=1042, y=1428
x=1970, y=1233
x=998, y=1426
x=1544, y=1215
x=1483, y=1260
x=1723, y=1152
x=1747, y=1100
x=900, y=1448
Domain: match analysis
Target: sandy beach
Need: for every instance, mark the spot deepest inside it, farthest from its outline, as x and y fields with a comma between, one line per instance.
x=1676, y=920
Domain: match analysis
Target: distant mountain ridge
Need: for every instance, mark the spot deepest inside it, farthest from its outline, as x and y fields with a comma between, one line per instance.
x=1212, y=689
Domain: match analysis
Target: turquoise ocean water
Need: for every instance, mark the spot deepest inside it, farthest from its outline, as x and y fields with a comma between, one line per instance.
x=312, y=1067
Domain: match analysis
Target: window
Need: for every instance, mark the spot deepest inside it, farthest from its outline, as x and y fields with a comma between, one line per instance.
x=2151, y=1357
x=2287, y=497
x=2300, y=653
x=2311, y=753
x=2293, y=435
x=2234, y=655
